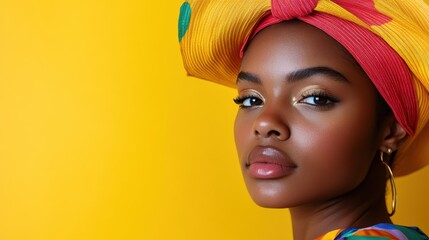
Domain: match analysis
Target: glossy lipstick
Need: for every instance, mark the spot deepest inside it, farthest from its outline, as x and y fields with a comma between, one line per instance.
x=269, y=163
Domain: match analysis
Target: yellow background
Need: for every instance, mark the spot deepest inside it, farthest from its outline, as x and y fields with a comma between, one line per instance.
x=102, y=136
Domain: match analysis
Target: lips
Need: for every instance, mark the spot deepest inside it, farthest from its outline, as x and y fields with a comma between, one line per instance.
x=269, y=163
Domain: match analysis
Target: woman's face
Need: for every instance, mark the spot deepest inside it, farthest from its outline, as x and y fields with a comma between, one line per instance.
x=306, y=131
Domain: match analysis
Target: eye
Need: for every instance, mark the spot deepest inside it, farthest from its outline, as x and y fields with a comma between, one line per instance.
x=318, y=99
x=248, y=101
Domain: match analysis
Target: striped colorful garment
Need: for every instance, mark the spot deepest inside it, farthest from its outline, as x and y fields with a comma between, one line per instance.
x=380, y=231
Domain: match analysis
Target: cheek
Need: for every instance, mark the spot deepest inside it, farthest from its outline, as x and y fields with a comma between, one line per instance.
x=341, y=146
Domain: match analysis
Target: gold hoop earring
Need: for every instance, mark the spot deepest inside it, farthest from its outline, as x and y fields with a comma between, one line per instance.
x=392, y=181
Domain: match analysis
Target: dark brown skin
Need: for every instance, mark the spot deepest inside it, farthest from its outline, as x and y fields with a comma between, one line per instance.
x=327, y=126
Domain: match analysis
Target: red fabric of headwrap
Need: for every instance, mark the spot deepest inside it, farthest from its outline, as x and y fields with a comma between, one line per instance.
x=382, y=64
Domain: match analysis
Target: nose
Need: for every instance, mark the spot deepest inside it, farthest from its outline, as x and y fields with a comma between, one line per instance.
x=270, y=124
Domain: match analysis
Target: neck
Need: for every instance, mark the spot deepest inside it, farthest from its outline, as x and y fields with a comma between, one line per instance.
x=364, y=206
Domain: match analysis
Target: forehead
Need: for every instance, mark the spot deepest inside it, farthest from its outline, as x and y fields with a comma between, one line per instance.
x=294, y=44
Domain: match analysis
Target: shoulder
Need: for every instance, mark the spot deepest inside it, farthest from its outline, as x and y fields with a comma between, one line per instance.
x=379, y=231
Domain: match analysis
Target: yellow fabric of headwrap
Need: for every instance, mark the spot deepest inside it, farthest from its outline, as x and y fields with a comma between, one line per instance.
x=212, y=32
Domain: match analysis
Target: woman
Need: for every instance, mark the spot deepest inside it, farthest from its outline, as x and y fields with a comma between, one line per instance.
x=332, y=96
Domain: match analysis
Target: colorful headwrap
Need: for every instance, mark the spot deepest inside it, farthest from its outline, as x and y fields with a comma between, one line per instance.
x=388, y=38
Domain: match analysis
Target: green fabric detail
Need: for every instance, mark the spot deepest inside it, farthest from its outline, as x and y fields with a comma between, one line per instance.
x=184, y=19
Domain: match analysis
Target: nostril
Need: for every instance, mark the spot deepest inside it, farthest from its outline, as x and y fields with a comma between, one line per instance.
x=270, y=126
x=274, y=133
x=270, y=133
x=257, y=133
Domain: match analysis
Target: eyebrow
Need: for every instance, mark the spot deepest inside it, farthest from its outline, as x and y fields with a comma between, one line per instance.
x=249, y=77
x=297, y=75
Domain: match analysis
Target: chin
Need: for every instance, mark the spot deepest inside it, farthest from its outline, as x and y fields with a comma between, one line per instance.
x=270, y=198
x=266, y=204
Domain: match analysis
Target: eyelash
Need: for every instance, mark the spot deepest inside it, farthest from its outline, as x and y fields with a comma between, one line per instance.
x=320, y=94
x=241, y=99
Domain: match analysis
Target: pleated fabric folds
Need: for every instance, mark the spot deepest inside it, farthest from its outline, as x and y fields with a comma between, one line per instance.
x=388, y=38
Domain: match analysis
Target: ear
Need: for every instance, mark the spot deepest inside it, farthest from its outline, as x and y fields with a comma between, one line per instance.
x=393, y=135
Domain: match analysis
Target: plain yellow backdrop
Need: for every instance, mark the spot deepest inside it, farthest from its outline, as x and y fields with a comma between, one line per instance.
x=102, y=135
